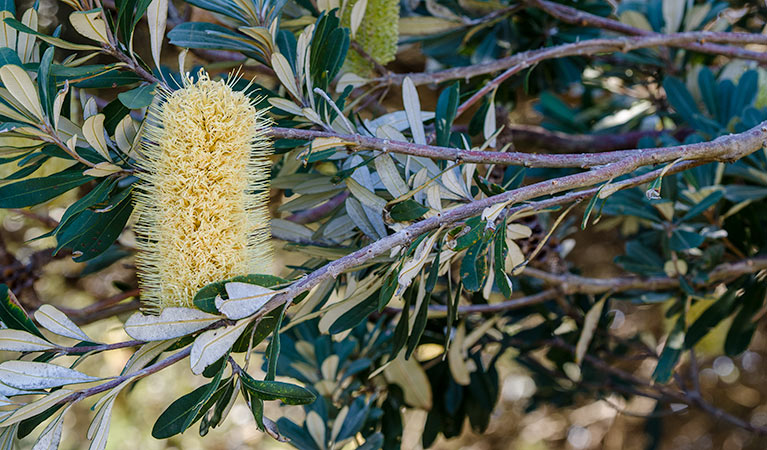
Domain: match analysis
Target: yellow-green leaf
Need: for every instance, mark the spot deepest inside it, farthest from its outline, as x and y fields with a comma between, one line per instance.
x=93, y=129
x=21, y=87
x=284, y=73
x=90, y=24
x=26, y=42
x=156, y=16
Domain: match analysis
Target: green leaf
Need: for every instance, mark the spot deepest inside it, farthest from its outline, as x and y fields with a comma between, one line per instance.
x=138, y=98
x=407, y=210
x=419, y=325
x=27, y=426
x=372, y=442
x=745, y=92
x=8, y=56
x=743, y=325
x=183, y=412
x=431, y=281
x=707, y=87
x=108, y=80
x=680, y=99
x=402, y=329
x=93, y=232
x=38, y=190
x=205, y=297
x=711, y=317
x=46, y=84
x=474, y=267
x=355, y=314
x=669, y=357
x=224, y=7
x=257, y=409
x=210, y=36
x=387, y=290
x=8, y=5
x=219, y=400
x=13, y=315
x=274, y=348
x=447, y=105
x=703, y=205
x=290, y=394
x=499, y=253
x=97, y=195
x=683, y=240
x=468, y=238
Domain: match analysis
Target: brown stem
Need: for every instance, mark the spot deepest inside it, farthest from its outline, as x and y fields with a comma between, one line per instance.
x=520, y=61
x=583, y=160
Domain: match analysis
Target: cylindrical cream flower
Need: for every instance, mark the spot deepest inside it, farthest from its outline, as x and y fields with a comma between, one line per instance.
x=377, y=34
x=203, y=205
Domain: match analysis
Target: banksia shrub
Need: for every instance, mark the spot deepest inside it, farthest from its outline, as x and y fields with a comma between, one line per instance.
x=202, y=208
x=377, y=34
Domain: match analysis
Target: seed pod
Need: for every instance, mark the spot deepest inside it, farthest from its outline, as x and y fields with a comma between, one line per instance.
x=203, y=205
x=377, y=34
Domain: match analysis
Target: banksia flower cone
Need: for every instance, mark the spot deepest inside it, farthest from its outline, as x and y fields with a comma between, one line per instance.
x=377, y=34
x=203, y=207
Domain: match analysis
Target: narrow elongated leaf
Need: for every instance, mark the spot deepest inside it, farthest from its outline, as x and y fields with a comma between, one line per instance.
x=13, y=315
x=156, y=17
x=56, y=42
x=590, y=323
x=36, y=407
x=702, y=206
x=22, y=341
x=407, y=211
x=213, y=344
x=90, y=24
x=410, y=376
x=50, y=437
x=390, y=176
x=274, y=348
x=139, y=97
x=289, y=394
x=98, y=431
x=182, y=412
x=244, y=299
x=671, y=352
x=92, y=232
x=21, y=87
x=171, y=323
x=145, y=354
x=38, y=375
x=447, y=105
x=208, y=35
x=34, y=191
x=57, y=322
x=413, y=110
x=285, y=74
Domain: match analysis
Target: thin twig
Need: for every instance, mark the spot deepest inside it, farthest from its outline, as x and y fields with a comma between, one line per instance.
x=577, y=17
x=521, y=61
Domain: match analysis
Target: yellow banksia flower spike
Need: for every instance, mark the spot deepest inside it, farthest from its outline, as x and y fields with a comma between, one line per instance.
x=203, y=205
x=377, y=34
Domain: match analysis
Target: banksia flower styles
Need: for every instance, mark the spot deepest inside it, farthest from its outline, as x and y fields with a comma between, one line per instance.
x=377, y=34
x=203, y=207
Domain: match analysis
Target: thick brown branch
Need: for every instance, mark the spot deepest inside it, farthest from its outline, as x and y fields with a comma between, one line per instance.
x=583, y=160
x=531, y=137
